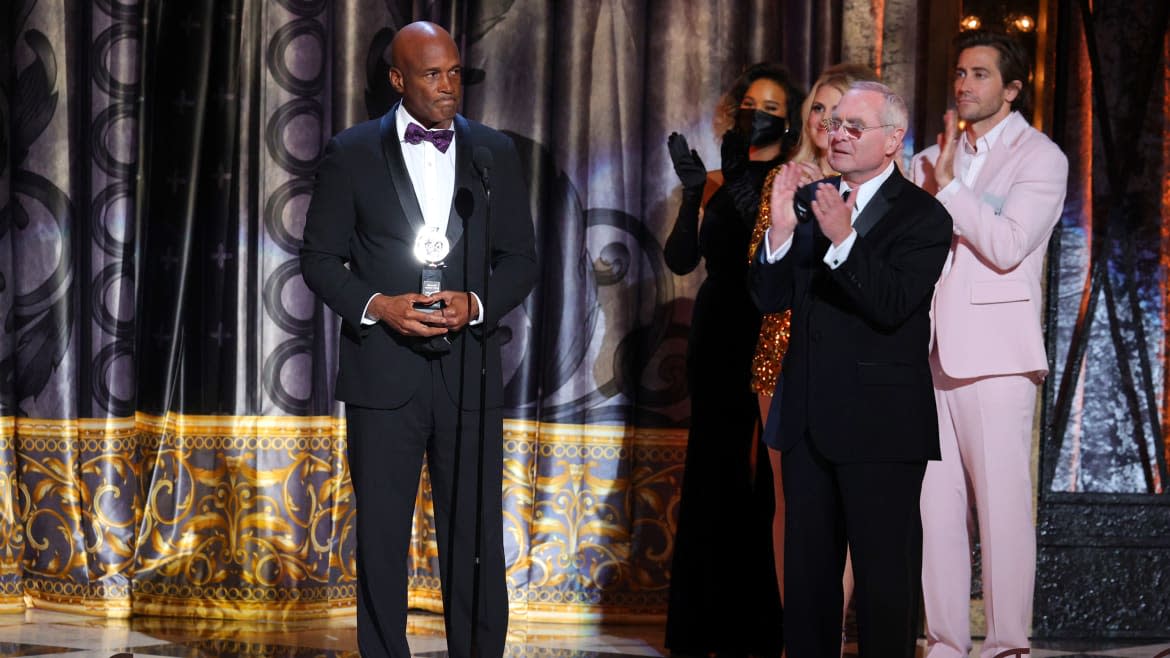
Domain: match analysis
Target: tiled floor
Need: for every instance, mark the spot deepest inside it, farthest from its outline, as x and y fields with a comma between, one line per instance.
x=52, y=634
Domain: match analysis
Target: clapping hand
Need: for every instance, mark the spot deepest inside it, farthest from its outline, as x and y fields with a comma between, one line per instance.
x=783, y=215
x=735, y=155
x=687, y=163
x=948, y=141
x=834, y=214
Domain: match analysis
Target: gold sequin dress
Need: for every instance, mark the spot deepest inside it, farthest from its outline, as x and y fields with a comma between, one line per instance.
x=773, y=342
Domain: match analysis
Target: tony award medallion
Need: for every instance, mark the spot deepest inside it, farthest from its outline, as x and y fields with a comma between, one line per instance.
x=431, y=248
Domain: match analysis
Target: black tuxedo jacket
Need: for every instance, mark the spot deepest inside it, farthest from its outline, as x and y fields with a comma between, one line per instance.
x=359, y=240
x=856, y=374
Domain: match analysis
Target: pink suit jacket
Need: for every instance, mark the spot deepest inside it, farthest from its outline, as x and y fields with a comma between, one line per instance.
x=986, y=307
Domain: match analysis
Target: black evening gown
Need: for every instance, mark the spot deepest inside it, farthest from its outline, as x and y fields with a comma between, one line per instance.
x=723, y=594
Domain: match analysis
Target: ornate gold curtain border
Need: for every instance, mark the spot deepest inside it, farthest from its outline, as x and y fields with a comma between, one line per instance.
x=562, y=482
x=58, y=442
x=543, y=460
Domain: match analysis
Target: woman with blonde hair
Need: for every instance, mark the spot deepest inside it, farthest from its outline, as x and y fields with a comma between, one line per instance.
x=812, y=153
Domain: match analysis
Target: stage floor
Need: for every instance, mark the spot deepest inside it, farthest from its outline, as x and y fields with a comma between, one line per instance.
x=59, y=635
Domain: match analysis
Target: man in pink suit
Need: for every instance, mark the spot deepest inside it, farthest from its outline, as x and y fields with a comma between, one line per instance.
x=1004, y=183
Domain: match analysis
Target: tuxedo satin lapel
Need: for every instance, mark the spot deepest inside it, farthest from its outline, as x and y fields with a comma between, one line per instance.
x=399, y=177
x=879, y=205
x=465, y=176
x=874, y=211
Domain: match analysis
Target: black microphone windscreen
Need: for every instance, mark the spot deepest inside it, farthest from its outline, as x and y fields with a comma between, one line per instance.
x=464, y=203
x=481, y=157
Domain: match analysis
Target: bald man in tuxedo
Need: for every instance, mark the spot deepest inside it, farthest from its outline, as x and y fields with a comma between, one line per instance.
x=409, y=363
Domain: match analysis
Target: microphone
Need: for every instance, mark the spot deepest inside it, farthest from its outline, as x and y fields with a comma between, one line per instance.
x=482, y=158
x=464, y=203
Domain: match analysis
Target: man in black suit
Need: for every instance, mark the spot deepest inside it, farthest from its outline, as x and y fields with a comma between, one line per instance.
x=856, y=415
x=410, y=377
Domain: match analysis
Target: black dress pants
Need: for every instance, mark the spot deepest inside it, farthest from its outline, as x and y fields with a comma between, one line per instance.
x=386, y=448
x=872, y=506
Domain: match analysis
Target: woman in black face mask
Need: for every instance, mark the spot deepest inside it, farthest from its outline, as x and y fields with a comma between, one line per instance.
x=727, y=480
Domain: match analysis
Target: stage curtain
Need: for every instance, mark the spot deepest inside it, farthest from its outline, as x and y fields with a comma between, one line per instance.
x=168, y=439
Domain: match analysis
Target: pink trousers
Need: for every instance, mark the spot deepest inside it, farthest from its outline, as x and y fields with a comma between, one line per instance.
x=985, y=431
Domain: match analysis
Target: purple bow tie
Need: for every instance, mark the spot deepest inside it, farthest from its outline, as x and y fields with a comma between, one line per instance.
x=441, y=139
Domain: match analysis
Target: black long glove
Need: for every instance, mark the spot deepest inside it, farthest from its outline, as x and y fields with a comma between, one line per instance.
x=744, y=190
x=734, y=153
x=681, y=251
x=687, y=163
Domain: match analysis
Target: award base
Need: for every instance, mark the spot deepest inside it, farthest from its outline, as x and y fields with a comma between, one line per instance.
x=432, y=282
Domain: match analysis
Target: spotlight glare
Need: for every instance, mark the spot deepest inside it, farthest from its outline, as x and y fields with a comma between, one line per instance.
x=1024, y=23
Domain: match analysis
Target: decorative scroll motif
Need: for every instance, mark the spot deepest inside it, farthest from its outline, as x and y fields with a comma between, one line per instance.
x=294, y=114
x=114, y=54
x=251, y=515
x=11, y=527
x=80, y=501
x=589, y=520
x=37, y=316
x=229, y=516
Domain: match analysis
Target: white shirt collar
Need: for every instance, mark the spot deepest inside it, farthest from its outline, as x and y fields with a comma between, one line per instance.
x=984, y=143
x=866, y=190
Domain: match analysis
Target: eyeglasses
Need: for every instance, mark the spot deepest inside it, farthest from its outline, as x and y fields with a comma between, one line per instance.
x=853, y=130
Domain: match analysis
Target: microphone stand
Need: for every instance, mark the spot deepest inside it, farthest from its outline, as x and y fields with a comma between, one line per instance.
x=449, y=567
x=487, y=253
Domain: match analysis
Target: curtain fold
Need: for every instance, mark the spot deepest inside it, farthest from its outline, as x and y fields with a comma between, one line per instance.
x=249, y=509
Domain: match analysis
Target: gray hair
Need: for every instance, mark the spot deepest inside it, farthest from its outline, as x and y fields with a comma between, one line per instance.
x=893, y=111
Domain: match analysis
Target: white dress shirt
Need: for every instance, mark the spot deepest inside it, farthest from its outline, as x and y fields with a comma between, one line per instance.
x=836, y=254
x=969, y=160
x=432, y=175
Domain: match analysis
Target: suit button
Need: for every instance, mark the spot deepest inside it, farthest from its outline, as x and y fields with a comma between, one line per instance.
x=816, y=336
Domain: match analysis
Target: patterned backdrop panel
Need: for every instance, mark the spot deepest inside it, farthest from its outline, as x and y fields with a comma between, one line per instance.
x=80, y=500
x=293, y=107
x=589, y=518
x=11, y=526
x=174, y=448
x=245, y=516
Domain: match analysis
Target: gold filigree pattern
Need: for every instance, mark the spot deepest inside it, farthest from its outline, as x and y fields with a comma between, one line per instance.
x=249, y=517
x=589, y=520
x=255, y=512
x=216, y=516
x=774, y=329
x=11, y=528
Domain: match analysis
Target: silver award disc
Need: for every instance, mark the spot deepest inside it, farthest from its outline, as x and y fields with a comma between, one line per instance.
x=431, y=246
